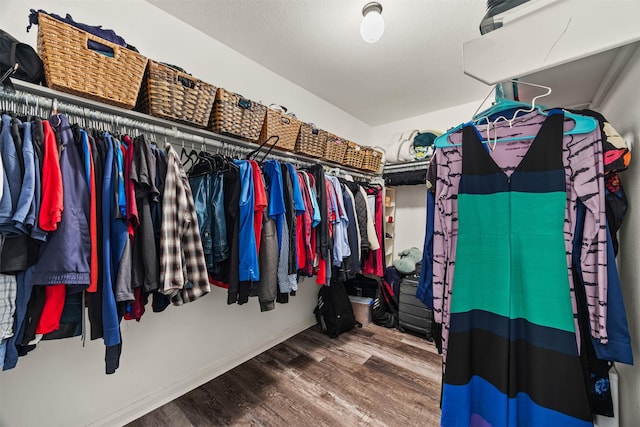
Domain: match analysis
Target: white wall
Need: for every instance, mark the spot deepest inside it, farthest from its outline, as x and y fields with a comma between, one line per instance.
x=385, y=135
x=622, y=109
x=165, y=355
x=411, y=199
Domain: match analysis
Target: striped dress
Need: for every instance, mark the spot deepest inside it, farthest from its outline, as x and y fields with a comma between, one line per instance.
x=511, y=349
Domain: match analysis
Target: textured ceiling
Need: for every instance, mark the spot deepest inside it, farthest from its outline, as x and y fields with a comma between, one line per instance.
x=414, y=69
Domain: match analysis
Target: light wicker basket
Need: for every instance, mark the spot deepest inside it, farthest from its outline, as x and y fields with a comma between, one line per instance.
x=173, y=95
x=336, y=149
x=237, y=116
x=372, y=159
x=285, y=127
x=353, y=155
x=311, y=141
x=70, y=66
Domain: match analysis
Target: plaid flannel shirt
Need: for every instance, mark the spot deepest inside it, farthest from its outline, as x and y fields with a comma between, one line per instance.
x=8, y=289
x=182, y=264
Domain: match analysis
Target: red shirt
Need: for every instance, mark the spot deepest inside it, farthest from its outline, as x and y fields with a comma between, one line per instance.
x=52, y=310
x=129, y=186
x=260, y=201
x=51, y=206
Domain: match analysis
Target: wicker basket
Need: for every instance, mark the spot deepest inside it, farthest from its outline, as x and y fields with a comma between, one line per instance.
x=336, y=148
x=173, y=95
x=234, y=115
x=311, y=141
x=70, y=66
x=282, y=125
x=372, y=159
x=354, y=155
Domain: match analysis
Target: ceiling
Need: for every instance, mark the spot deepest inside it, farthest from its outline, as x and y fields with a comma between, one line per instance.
x=414, y=69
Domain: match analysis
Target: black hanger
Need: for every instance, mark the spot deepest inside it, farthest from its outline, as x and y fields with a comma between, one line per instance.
x=205, y=165
x=188, y=158
x=252, y=154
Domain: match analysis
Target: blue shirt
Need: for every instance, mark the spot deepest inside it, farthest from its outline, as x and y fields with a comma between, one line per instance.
x=277, y=208
x=248, y=269
x=298, y=200
x=122, y=200
x=314, y=201
x=424, y=291
x=87, y=155
x=110, y=322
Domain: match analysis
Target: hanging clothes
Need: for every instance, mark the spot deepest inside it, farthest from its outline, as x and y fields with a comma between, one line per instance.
x=249, y=269
x=374, y=263
x=140, y=227
x=8, y=295
x=182, y=265
x=267, y=287
x=303, y=232
x=260, y=201
x=65, y=257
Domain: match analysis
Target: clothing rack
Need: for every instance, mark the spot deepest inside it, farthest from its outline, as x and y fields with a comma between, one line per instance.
x=42, y=101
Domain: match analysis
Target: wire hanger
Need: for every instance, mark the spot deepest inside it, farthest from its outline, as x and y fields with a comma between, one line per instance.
x=583, y=124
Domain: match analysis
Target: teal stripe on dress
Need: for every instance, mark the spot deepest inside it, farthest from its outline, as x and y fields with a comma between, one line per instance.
x=511, y=258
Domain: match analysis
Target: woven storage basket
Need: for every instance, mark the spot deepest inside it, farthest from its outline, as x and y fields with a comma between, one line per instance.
x=284, y=126
x=173, y=95
x=336, y=148
x=70, y=66
x=311, y=141
x=234, y=115
x=372, y=159
x=354, y=155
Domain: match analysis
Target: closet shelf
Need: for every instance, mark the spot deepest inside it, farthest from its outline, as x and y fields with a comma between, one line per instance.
x=39, y=96
x=571, y=56
x=408, y=166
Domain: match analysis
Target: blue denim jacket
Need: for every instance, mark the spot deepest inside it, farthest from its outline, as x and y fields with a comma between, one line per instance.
x=208, y=197
x=219, y=221
x=200, y=188
x=24, y=217
x=12, y=180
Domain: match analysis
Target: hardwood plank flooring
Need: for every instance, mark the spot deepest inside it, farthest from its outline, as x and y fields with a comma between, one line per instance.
x=366, y=377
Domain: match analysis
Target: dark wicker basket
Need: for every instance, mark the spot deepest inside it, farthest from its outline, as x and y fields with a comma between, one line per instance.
x=311, y=141
x=173, y=95
x=372, y=159
x=353, y=156
x=237, y=116
x=336, y=148
x=284, y=126
x=70, y=66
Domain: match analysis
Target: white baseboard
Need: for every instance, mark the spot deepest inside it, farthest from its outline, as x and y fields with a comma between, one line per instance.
x=152, y=401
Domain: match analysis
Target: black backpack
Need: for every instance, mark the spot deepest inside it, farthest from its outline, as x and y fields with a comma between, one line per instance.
x=333, y=310
x=385, y=310
x=13, y=52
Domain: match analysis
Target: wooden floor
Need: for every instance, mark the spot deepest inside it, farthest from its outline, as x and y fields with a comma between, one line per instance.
x=370, y=376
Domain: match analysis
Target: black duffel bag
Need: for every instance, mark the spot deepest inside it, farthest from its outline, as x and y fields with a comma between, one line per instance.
x=14, y=52
x=362, y=286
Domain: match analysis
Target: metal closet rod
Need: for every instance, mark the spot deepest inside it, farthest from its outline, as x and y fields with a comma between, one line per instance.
x=85, y=110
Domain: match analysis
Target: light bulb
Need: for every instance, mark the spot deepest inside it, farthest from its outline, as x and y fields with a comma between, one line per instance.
x=372, y=26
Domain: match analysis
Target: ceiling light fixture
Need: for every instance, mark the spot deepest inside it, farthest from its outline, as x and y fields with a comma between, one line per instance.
x=372, y=26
